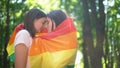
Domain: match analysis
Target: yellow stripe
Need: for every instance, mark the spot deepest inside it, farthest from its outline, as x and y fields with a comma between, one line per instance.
x=10, y=49
x=53, y=60
x=64, y=42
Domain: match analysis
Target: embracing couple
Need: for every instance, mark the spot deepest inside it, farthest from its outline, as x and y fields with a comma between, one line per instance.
x=44, y=41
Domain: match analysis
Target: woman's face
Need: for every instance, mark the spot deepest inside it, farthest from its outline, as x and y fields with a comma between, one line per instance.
x=39, y=23
x=51, y=25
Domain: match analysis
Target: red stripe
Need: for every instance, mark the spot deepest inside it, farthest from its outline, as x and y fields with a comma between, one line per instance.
x=65, y=27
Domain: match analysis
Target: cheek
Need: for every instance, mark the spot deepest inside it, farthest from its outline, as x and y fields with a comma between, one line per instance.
x=50, y=26
x=37, y=25
x=54, y=25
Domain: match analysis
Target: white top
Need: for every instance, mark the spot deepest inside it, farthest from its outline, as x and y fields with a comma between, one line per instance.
x=23, y=36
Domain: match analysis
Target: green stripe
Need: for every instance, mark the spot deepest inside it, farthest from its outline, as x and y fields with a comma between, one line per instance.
x=12, y=58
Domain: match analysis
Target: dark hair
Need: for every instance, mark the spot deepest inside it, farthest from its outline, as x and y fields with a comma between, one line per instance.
x=58, y=16
x=29, y=19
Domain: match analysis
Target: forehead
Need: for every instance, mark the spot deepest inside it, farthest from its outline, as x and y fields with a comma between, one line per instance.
x=42, y=19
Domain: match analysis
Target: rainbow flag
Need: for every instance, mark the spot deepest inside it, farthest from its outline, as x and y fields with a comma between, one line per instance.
x=53, y=50
x=10, y=46
x=56, y=49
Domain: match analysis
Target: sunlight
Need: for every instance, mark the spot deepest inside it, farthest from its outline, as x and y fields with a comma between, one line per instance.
x=107, y=4
x=78, y=60
x=18, y=1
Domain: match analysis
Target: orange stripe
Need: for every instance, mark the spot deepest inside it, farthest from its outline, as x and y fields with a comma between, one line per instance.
x=11, y=41
x=69, y=41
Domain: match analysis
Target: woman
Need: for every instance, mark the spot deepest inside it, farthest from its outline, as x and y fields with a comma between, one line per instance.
x=33, y=23
x=56, y=17
x=57, y=49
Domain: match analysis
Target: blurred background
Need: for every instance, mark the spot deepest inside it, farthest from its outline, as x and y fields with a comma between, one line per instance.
x=97, y=23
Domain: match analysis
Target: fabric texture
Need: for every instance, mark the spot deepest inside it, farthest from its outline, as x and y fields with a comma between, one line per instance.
x=56, y=49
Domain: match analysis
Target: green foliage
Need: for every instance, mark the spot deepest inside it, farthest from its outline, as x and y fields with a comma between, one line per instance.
x=18, y=8
x=112, y=54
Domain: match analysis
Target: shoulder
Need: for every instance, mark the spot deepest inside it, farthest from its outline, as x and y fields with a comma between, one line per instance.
x=23, y=32
x=23, y=36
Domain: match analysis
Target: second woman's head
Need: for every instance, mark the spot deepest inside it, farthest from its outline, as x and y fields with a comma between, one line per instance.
x=55, y=17
x=34, y=21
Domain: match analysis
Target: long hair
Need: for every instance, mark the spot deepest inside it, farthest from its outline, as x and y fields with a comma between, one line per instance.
x=29, y=20
x=58, y=16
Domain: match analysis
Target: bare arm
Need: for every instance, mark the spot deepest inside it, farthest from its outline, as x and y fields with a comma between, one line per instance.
x=21, y=53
